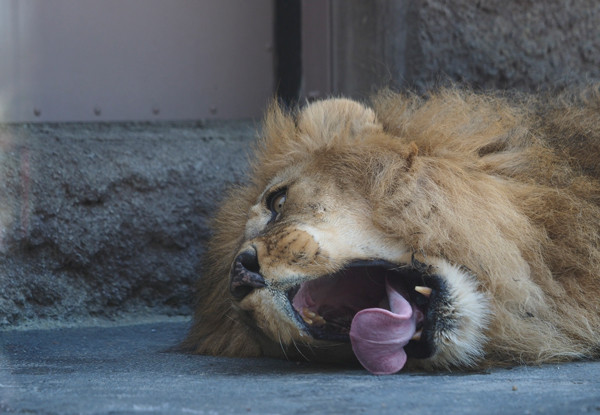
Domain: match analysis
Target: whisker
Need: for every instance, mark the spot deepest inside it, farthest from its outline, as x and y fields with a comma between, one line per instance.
x=282, y=348
x=299, y=351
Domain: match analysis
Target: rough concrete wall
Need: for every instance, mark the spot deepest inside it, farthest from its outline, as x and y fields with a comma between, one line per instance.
x=102, y=219
x=508, y=44
x=521, y=44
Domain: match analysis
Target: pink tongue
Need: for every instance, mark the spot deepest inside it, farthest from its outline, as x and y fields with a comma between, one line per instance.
x=378, y=336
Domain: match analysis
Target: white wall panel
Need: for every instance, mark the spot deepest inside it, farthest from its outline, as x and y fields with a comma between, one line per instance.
x=82, y=60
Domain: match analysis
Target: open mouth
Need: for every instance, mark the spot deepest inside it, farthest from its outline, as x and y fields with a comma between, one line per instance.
x=386, y=311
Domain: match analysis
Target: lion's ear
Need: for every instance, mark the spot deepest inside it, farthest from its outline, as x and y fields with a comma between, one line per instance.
x=331, y=119
x=321, y=124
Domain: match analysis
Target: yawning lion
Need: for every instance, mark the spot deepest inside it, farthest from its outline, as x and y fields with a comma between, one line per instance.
x=454, y=231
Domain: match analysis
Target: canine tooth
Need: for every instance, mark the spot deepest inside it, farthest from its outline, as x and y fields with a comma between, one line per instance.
x=417, y=335
x=426, y=291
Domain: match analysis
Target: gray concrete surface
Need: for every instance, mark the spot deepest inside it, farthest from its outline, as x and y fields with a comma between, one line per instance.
x=526, y=45
x=128, y=369
x=508, y=44
x=101, y=220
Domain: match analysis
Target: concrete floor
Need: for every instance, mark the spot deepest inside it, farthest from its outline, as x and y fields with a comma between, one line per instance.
x=127, y=369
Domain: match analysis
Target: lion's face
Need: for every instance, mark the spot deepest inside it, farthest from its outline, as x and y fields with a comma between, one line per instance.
x=316, y=268
x=298, y=231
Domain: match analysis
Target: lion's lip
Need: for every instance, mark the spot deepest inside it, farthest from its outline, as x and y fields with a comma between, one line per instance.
x=325, y=307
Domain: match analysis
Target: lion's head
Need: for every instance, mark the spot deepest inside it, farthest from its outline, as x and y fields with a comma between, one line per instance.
x=397, y=235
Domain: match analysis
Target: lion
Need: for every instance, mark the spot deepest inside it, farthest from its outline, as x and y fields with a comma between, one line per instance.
x=456, y=230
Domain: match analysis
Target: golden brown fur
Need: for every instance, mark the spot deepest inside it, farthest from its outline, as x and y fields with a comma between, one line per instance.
x=506, y=187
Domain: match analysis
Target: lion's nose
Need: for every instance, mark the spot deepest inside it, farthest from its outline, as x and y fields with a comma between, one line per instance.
x=245, y=275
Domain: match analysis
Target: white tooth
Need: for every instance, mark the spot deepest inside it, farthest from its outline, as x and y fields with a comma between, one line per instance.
x=307, y=320
x=319, y=321
x=426, y=291
x=417, y=335
x=309, y=313
x=310, y=317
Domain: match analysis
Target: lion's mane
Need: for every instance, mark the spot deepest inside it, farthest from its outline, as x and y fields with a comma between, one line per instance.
x=507, y=186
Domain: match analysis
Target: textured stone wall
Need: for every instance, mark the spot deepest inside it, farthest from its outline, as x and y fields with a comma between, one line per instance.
x=98, y=220
x=522, y=44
